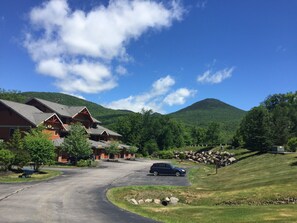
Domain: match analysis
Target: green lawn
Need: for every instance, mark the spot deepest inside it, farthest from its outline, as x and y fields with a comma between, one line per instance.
x=255, y=189
x=14, y=177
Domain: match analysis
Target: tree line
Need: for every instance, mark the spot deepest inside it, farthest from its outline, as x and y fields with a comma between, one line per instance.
x=272, y=123
x=152, y=132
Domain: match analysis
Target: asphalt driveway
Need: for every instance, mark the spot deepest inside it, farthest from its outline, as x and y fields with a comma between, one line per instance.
x=78, y=195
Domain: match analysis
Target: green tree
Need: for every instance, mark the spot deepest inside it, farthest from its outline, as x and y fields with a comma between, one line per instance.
x=133, y=149
x=213, y=133
x=150, y=147
x=6, y=159
x=130, y=127
x=237, y=139
x=292, y=144
x=166, y=138
x=12, y=95
x=198, y=135
x=255, y=129
x=76, y=144
x=16, y=145
x=143, y=128
x=39, y=147
x=280, y=125
x=112, y=149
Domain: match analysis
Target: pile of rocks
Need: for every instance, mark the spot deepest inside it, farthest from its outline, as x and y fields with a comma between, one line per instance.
x=221, y=158
x=165, y=201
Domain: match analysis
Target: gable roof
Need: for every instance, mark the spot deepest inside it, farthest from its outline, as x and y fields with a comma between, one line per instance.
x=28, y=112
x=100, y=130
x=95, y=120
x=63, y=110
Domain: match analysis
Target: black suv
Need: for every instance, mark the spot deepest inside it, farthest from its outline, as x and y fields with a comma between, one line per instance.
x=166, y=169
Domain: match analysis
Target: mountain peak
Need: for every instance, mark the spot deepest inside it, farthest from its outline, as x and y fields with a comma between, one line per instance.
x=208, y=104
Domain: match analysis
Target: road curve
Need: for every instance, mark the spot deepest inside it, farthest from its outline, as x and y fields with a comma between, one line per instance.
x=76, y=196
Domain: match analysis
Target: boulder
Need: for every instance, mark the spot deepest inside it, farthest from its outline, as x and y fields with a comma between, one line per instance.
x=173, y=200
x=141, y=201
x=148, y=200
x=133, y=201
x=157, y=201
x=232, y=159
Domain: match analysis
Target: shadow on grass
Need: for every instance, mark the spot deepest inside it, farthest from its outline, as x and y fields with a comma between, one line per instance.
x=294, y=163
x=251, y=154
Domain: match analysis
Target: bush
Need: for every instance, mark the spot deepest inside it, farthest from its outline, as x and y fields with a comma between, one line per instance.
x=164, y=154
x=86, y=163
x=292, y=144
x=6, y=158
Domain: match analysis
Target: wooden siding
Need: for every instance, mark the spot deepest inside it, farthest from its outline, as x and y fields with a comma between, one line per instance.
x=9, y=120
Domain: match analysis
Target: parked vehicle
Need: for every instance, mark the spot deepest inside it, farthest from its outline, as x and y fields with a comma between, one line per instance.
x=166, y=169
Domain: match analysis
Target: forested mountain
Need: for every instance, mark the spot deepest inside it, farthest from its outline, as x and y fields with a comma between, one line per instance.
x=210, y=110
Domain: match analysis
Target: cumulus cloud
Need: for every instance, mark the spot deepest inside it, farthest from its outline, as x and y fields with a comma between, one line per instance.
x=215, y=77
x=156, y=98
x=179, y=96
x=162, y=85
x=77, y=47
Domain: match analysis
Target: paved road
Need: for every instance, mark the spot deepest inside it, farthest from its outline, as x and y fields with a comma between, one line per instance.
x=78, y=195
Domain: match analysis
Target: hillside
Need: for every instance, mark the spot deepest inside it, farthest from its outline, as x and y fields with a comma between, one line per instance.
x=257, y=188
x=211, y=110
x=105, y=115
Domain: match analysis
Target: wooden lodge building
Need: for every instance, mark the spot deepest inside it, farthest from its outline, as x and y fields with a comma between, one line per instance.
x=56, y=119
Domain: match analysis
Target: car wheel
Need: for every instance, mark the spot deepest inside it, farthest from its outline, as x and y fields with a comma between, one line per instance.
x=177, y=174
x=156, y=173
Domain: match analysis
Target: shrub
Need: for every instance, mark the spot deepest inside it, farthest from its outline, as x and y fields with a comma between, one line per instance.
x=164, y=154
x=292, y=144
x=6, y=158
x=86, y=163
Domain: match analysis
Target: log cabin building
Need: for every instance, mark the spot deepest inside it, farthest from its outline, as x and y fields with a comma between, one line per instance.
x=56, y=118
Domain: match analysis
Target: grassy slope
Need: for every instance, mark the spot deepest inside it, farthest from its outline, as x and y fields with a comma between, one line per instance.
x=105, y=115
x=242, y=192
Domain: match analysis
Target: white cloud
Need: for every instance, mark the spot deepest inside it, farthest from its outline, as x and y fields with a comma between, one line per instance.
x=77, y=47
x=179, y=96
x=162, y=85
x=156, y=98
x=121, y=70
x=134, y=103
x=216, y=77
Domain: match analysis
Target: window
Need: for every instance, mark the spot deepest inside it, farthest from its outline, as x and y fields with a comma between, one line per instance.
x=11, y=131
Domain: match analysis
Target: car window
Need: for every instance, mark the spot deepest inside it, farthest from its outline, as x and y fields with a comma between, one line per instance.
x=168, y=165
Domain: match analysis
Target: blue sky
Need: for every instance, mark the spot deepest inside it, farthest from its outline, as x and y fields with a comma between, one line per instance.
x=159, y=55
